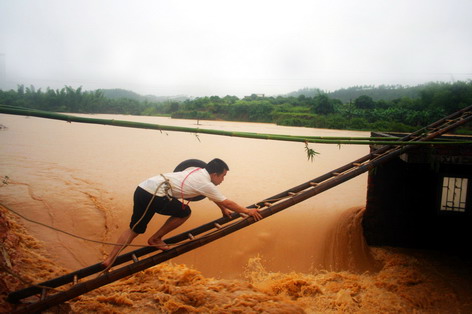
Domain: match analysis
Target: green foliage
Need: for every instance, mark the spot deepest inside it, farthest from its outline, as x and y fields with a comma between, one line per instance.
x=310, y=152
x=356, y=108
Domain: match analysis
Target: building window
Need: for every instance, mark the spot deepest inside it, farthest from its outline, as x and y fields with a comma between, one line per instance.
x=454, y=194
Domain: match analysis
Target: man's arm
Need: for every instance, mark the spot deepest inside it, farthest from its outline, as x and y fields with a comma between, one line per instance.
x=231, y=205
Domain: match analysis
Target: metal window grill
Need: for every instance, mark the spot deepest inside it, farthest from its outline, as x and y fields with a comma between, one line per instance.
x=454, y=194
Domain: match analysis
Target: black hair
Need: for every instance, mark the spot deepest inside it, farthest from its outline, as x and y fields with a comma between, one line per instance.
x=216, y=166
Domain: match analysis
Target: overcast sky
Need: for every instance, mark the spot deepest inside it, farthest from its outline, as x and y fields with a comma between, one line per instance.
x=218, y=47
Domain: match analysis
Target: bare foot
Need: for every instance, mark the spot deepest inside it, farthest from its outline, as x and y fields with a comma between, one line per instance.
x=106, y=263
x=159, y=244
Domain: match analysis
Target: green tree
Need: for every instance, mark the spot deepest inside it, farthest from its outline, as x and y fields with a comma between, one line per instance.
x=364, y=102
x=322, y=104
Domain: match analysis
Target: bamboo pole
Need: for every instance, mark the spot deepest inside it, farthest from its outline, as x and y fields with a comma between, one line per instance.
x=278, y=137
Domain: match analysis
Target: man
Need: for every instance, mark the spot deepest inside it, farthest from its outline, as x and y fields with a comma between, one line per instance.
x=159, y=195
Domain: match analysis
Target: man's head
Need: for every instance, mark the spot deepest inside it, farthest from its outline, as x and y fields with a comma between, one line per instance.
x=217, y=169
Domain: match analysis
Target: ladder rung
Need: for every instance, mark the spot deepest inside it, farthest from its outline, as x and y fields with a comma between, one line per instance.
x=243, y=215
x=314, y=183
x=336, y=174
x=135, y=259
x=76, y=279
x=44, y=293
x=191, y=237
x=356, y=164
x=267, y=204
x=217, y=225
x=292, y=193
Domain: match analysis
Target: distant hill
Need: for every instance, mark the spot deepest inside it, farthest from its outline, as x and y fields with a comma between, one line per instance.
x=118, y=93
x=385, y=92
x=382, y=92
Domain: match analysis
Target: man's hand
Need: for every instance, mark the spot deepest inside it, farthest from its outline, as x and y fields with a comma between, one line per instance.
x=226, y=212
x=254, y=212
x=233, y=206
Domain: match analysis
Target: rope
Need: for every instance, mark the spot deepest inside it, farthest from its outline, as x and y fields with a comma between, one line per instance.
x=166, y=181
x=167, y=187
x=62, y=231
x=182, y=187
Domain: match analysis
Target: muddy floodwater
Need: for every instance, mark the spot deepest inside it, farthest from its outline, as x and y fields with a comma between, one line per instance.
x=311, y=257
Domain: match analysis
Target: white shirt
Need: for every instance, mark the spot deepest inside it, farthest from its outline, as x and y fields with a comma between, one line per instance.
x=196, y=183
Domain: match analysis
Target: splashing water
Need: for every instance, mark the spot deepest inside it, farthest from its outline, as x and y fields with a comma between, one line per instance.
x=403, y=284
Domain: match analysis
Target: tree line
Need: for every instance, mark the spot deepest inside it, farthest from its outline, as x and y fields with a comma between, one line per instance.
x=401, y=109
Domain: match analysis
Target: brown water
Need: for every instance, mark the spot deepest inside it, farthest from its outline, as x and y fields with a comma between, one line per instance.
x=311, y=257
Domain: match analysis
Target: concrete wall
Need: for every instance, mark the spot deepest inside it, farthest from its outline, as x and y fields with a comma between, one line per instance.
x=403, y=202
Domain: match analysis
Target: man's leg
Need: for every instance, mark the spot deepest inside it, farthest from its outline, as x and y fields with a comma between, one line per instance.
x=171, y=223
x=125, y=238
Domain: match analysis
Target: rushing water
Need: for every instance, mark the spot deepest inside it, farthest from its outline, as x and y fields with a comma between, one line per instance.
x=81, y=178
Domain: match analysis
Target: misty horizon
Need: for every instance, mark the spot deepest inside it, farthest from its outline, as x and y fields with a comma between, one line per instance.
x=239, y=48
